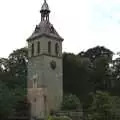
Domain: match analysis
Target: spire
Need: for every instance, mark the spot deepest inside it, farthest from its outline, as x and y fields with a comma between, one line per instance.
x=45, y=11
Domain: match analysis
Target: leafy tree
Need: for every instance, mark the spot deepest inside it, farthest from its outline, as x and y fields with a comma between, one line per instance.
x=104, y=107
x=76, y=75
x=13, y=78
x=5, y=98
x=100, y=75
x=115, y=100
x=115, y=72
x=18, y=66
x=100, y=58
x=87, y=72
x=97, y=52
x=8, y=101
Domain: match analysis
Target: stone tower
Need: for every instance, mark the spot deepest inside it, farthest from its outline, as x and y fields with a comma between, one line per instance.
x=45, y=82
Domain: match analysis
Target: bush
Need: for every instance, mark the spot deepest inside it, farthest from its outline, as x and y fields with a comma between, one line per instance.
x=59, y=118
x=70, y=102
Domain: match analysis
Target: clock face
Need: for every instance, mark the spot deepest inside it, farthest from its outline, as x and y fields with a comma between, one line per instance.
x=53, y=64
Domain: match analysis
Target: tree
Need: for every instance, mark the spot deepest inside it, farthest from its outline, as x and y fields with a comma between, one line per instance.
x=13, y=79
x=7, y=101
x=97, y=52
x=100, y=58
x=76, y=75
x=115, y=72
x=100, y=76
x=87, y=72
x=104, y=107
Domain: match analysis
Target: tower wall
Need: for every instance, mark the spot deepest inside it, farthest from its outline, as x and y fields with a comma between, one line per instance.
x=48, y=80
x=54, y=82
x=43, y=80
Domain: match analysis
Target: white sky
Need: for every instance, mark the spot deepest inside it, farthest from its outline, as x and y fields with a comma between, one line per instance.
x=82, y=23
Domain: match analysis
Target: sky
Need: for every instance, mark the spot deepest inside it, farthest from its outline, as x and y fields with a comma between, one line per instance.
x=82, y=23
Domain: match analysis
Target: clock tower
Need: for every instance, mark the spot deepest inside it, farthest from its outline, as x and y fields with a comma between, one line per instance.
x=45, y=71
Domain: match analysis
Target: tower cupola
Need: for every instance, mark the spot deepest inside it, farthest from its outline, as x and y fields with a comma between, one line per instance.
x=45, y=11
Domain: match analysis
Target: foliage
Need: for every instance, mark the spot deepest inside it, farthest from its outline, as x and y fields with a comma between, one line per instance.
x=59, y=118
x=115, y=73
x=97, y=52
x=100, y=74
x=76, y=75
x=87, y=72
x=6, y=101
x=115, y=100
x=70, y=102
x=13, y=78
x=104, y=107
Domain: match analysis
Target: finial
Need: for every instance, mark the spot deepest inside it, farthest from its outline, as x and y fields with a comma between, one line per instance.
x=45, y=11
x=45, y=6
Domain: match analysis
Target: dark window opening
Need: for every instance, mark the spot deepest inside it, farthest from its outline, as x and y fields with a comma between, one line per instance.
x=49, y=47
x=32, y=49
x=52, y=30
x=38, y=47
x=56, y=49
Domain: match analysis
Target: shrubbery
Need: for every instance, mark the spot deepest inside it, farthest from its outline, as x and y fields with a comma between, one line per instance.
x=59, y=118
x=70, y=102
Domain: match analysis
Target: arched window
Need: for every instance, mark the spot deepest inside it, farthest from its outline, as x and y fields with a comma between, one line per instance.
x=32, y=51
x=49, y=47
x=38, y=47
x=56, y=49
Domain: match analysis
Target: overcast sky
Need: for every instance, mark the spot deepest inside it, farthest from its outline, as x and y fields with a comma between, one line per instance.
x=82, y=23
